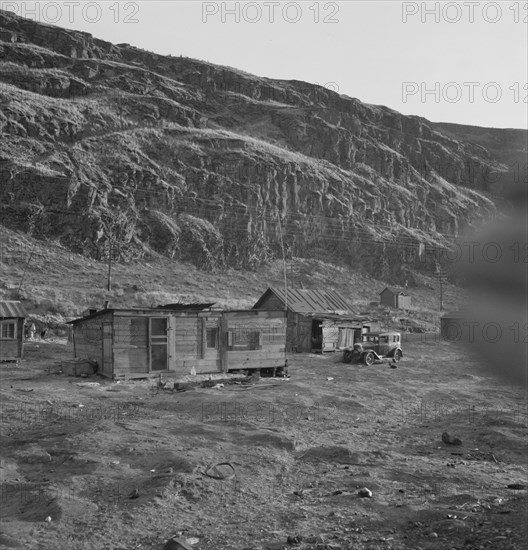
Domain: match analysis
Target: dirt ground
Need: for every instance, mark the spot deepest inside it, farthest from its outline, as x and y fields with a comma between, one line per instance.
x=73, y=456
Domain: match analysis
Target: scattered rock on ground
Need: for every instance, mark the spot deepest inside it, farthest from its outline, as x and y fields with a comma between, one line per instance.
x=365, y=493
x=177, y=544
x=450, y=440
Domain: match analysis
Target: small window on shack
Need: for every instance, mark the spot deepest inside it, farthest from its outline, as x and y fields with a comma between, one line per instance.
x=244, y=340
x=211, y=338
x=8, y=330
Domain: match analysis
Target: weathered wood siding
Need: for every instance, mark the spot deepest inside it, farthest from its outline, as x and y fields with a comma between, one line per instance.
x=291, y=331
x=303, y=341
x=190, y=344
x=88, y=338
x=330, y=337
x=339, y=334
x=13, y=348
x=20, y=337
x=387, y=298
x=272, y=302
x=9, y=349
x=130, y=346
x=271, y=329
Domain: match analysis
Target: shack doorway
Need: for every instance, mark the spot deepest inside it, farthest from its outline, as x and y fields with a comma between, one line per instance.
x=108, y=359
x=317, y=336
x=158, y=344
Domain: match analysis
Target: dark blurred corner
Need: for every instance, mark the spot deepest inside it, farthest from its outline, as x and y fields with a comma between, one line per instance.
x=494, y=265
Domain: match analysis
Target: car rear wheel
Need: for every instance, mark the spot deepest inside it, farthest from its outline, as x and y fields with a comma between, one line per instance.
x=397, y=355
x=368, y=359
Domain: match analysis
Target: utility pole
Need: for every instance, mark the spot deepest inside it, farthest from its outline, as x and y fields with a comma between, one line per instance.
x=441, y=292
x=109, y=288
x=284, y=268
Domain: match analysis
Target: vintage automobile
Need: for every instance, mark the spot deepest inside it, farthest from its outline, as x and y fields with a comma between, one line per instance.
x=375, y=346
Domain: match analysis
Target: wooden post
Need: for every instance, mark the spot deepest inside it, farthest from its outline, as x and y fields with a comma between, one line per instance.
x=441, y=292
x=440, y=281
x=222, y=342
x=284, y=268
x=109, y=286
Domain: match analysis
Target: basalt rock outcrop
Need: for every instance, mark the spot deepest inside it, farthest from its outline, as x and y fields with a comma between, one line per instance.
x=112, y=149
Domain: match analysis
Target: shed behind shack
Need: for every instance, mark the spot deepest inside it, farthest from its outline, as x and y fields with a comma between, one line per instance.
x=395, y=297
x=314, y=317
x=12, y=317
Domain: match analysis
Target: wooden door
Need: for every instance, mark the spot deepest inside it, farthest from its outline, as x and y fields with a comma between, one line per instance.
x=158, y=344
x=108, y=355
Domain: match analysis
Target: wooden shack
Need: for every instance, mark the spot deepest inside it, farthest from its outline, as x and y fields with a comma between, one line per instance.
x=313, y=317
x=395, y=298
x=179, y=339
x=12, y=317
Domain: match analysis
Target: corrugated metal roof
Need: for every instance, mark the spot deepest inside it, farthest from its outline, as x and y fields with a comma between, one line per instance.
x=302, y=300
x=12, y=309
x=165, y=309
x=338, y=317
x=179, y=307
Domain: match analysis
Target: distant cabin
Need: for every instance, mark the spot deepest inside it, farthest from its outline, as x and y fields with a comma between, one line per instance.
x=395, y=298
x=178, y=339
x=317, y=320
x=12, y=317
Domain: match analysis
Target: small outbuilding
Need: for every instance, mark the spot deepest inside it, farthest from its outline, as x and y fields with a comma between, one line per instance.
x=12, y=317
x=395, y=298
x=179, y=339
x=316, y=319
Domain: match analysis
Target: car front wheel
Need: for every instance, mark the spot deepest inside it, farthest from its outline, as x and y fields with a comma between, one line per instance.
x=368, y=359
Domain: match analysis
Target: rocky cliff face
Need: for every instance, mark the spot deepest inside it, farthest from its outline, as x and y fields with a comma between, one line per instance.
x=108, y=147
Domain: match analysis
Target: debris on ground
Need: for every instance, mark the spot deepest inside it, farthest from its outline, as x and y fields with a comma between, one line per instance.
x=450, y=440
x=177, y=543
x=365, y=493
x=78, y=367
x=222, y=470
